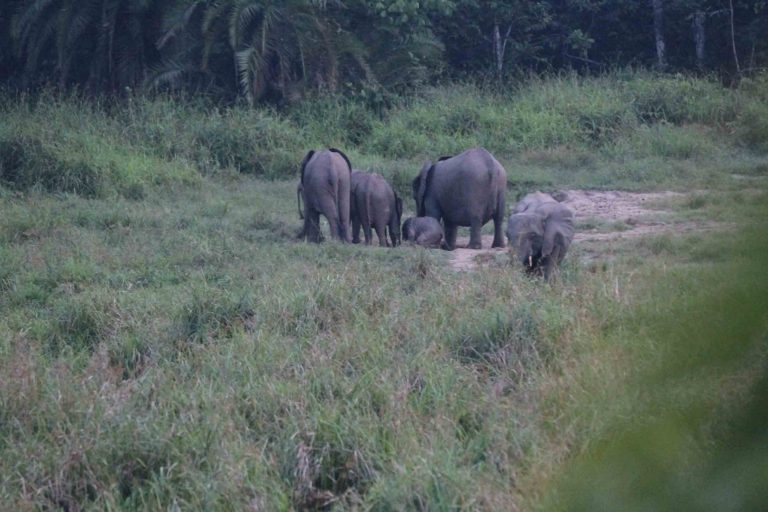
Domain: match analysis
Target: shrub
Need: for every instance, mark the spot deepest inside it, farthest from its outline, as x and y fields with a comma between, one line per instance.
x=26, y=163
x=252, y=142
x=752, y=126
x=62, y=145
x=678, y=99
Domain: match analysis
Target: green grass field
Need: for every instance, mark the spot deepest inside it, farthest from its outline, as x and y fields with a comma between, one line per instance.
x=166, y=343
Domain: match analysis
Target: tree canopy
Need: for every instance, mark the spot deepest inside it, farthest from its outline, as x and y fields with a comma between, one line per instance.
x=280, y=50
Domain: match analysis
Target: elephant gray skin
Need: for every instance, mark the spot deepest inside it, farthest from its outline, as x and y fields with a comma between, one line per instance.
x=302, y=232
x=464, y=190
x=424, y=231
x=325, y=188
x=532, y=200
x=374, y=204
x=541, y=230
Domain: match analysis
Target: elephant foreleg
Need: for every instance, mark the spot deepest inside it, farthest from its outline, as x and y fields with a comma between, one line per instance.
x=552, y=261
x=449, y=242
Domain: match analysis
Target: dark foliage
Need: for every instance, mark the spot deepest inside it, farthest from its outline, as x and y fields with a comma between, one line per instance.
x=264, y=50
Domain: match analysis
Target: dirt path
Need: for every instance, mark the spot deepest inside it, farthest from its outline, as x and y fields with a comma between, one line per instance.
x=615, y=215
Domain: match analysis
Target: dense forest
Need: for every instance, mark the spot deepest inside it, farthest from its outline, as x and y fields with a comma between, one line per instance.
x=280, y=51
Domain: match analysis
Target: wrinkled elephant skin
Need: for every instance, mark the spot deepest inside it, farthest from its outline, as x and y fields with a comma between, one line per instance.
x=540, y=230
x=325, y=188
x=464, y=190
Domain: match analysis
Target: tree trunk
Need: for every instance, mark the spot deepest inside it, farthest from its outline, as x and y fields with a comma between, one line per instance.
x=658, y=32
x=733, y=41
x=699, y=37
x=497, y=50
x=500, y=48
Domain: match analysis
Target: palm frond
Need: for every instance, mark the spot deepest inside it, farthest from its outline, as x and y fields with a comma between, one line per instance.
x=168, y=73
x=178, y=24
x=241, y=17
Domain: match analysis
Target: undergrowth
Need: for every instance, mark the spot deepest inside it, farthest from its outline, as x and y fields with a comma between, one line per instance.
x=165, y=343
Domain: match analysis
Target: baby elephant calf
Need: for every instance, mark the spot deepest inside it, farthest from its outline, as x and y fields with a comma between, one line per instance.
x=540, y=230
x=374, y=205
x=424, y=231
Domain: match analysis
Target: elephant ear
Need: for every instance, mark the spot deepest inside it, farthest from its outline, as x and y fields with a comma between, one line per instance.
x=304, y=162
x=340, y=152
x=557, y=225
x=424, y=180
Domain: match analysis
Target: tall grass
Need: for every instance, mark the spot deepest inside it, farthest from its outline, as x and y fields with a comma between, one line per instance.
x=64, y=144
x=166, y=343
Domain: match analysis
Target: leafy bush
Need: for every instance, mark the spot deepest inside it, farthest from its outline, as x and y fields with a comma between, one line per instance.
x=679, y=99
x=65, y=145
x=25, y=163
x=664, y=140
x=752, y=127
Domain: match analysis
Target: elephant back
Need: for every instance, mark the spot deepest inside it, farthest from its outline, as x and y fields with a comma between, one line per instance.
x=532, y=201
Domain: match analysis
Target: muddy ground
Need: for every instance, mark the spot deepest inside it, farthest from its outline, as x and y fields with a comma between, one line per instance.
x=602, y=218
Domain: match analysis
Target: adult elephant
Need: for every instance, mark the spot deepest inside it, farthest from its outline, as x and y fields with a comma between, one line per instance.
x=463, y=190
x=325, y=189
x=540, y=229
x=375, y=205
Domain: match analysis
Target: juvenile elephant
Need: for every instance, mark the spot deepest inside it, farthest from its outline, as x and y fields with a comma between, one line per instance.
x=541, y=230
x=464, y=190
x=424, y=231
x=325, y=188
x=375, y=205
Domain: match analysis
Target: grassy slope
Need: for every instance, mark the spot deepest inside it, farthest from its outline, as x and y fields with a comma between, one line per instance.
x=163, y=340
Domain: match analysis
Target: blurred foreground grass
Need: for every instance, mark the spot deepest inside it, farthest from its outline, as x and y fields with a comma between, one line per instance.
x=692, y=435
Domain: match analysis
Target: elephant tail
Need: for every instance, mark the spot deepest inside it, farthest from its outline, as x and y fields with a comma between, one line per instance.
x=368, y=208
x=337, y=203
x=298, y=201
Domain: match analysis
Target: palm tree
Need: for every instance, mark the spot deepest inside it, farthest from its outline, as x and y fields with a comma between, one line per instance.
x=105, y=45
x=259, y=46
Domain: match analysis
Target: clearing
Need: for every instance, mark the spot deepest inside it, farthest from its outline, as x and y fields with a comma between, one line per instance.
x=602, y=218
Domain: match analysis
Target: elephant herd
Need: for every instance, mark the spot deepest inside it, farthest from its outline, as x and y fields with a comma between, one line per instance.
x=463, y=190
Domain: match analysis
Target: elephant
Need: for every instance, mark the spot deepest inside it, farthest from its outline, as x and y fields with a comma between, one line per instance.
x=540, y=229
x=374, y=204
x=463, y=190
x=325, y=188
x=424, y=231
x=532, y=199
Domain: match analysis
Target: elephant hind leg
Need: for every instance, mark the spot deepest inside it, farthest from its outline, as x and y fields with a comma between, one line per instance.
x=355, y=230
x=449, y=238
x=381, y=233
x=498, y=223
x=367, y=233
x=475, y=234
x=312, y=225
x=498, y=233
x=337, y=231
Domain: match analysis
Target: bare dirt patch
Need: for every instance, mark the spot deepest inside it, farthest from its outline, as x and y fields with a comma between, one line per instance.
x=619, y=215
